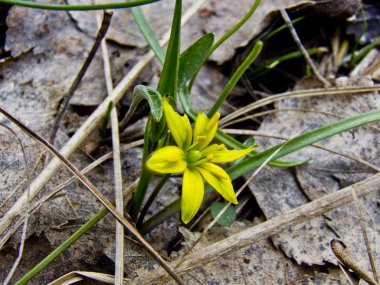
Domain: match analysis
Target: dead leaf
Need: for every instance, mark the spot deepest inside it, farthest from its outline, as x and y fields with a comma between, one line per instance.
x=277, y=190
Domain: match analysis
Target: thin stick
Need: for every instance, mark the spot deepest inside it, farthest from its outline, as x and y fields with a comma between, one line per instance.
x=305, y=110
x=26, y=218
x=119, y=243
x=82, y=71
x=87, y=127
x=277, y=224
x=53, y=192
x=297, y=40
x=106, y=203
x=298, y=94
x=70, y=240
x=365, y=235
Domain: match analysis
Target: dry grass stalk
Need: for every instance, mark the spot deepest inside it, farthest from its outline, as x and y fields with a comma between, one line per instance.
x=278, y=224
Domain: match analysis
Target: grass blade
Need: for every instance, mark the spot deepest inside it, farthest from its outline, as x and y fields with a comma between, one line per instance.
x=47, y=6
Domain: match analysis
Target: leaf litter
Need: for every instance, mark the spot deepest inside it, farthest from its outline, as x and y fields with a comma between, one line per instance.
x=53, y=47
x=325, y=173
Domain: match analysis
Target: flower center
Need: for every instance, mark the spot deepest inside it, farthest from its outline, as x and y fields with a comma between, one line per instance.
x=193, y=156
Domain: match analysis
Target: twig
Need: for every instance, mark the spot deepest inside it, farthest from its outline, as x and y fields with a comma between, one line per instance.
x=297, y=40
x=26, y=218
x=298, y=94
x=53, y=192
x=106, y=203
x=119, y=243
x=305, y=110
x=66, y=99
x=365, y=235
x=277, y=224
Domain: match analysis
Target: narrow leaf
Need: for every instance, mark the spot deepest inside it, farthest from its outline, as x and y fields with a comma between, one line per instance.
x=167, y=86
x=48, y=6
x=148, y=33
x=302, y=141
x=193, y=58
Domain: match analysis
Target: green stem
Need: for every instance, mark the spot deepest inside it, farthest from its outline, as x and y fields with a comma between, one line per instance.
x=145, y=175
x=48, y=6
x=154, y=194
x=66, y=244
x=236, y=76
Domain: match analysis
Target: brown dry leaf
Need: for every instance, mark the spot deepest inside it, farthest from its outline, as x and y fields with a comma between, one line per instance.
x=259, y=263
x=278, y=190
x=49, y=44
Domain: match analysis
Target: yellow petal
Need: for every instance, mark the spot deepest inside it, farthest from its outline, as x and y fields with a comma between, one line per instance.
x=219, y=180
x=223, y=156
x=179, y=126
x=169, y=159
x=192, y=194
x=205, y=129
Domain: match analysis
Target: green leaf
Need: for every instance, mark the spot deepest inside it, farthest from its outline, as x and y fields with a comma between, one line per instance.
x=288, y=164
x=167, y=86
x=154, y=100
x=302, y=141
x=148, y=33
x=227, y=218
x=48, y=6
x=193, y=58
x=106, y=119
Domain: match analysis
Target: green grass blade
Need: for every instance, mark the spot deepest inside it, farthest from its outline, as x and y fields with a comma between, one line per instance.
x=148, y=33
x=62, y=247
x=302, y=141
x=167, y=86
x=254, y=53
x=48, y=6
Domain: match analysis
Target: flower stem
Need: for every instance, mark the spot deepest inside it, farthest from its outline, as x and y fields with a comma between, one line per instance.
x=154, y=194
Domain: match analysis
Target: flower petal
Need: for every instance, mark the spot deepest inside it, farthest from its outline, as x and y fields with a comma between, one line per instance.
x=223, y=156
x=179, y=126
x=205, y=129
x=218, y=179
x=192, y=194
x=169, y=159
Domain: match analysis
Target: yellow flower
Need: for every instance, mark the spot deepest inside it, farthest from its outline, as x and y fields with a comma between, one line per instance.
x=195, y=157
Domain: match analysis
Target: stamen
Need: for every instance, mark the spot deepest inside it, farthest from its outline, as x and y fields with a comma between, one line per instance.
x=209, y=157
x=221, y=147
x=201, y=139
